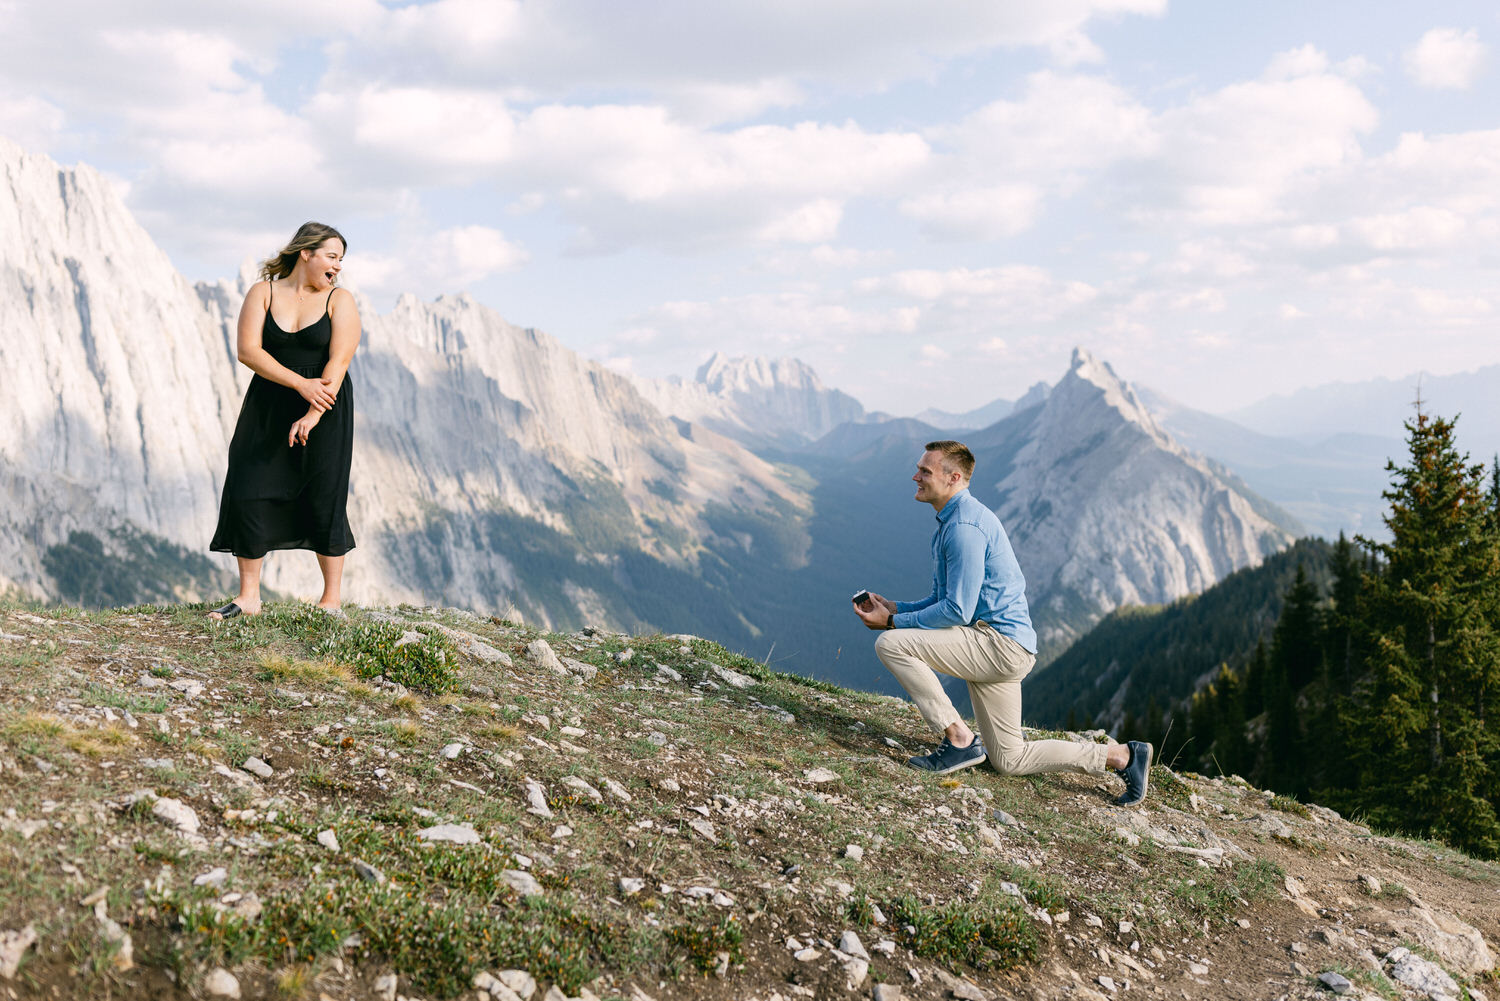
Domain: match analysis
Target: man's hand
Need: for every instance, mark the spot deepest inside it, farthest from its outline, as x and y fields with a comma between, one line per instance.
x=303, y=428
x=876, y=612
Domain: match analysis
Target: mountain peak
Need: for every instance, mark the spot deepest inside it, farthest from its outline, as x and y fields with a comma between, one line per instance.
x=1088, y=380
x=749, y=373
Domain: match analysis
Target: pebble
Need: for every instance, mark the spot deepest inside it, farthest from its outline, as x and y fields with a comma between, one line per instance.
x=849, y=942
x=214, y=877
x=854, y=853
x=368, y=872
x=523, y=883
x=819, y=776
x=221, y=984
x=458, y=834
x=630, y=886
x=453, y=750
x=1336, y=982
x=257, y=767
x=578, y=785
x=385, y=987
x=328, y=839
x=887, y=992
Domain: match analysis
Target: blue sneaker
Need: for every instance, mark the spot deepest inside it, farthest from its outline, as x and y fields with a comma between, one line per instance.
x=948, y=758
x=1136, y=773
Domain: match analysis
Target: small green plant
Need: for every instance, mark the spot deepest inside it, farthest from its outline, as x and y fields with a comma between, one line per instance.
x=985, y=936
x=1288, y=804
x=704, y=943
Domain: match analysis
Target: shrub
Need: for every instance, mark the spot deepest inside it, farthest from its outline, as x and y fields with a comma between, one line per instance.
x=986, y=936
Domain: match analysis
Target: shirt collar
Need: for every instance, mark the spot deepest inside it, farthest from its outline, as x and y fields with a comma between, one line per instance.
x=951, y=508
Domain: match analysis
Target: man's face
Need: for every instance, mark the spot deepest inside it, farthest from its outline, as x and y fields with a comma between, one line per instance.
x=934, y=480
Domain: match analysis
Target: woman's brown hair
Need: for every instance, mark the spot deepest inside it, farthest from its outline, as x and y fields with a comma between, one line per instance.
x=309, y=236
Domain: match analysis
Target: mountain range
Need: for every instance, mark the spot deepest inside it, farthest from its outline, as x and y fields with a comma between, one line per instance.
x=499, y=470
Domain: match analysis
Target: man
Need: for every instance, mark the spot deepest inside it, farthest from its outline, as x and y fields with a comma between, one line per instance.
x=975, y=625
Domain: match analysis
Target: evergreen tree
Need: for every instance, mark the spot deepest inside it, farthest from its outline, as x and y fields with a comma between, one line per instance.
x=1348, y=576
x=1296, y=661
x=1423, y=752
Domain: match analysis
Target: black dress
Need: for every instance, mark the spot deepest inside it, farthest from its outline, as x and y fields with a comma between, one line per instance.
x=278, y=496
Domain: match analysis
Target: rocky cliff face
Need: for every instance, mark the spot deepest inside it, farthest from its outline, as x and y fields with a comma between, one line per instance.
x=1106, y=509
x=757, y=400
x=118, y=394
x=122, y=391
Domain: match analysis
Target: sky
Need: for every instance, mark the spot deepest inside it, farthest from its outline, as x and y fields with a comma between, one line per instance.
x=931, y=204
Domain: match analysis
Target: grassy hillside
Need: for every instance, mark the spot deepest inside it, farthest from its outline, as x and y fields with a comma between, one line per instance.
x=189, y=804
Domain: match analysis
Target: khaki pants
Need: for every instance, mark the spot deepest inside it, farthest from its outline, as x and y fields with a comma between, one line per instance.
x=993, y=665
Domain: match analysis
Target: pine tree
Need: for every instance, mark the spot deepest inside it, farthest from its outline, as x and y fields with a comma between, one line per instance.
x=1424, y=754
x=1296, y=661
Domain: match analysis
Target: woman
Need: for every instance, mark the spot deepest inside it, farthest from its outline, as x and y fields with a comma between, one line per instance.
x=288, y=476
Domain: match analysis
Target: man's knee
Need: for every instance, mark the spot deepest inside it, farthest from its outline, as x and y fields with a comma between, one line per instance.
x=890, y=643
x=1005, y=760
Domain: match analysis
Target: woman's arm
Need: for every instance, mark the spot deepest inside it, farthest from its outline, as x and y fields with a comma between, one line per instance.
x=344, y=315
x=255, y=357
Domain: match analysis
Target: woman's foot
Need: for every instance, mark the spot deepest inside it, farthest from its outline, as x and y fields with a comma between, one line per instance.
x=241, y=605
x=332, y=608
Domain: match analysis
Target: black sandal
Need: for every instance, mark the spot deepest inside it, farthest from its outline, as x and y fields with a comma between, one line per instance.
x=229, y=611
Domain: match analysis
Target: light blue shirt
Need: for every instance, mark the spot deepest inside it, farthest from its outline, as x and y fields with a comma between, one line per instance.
x=975, y=576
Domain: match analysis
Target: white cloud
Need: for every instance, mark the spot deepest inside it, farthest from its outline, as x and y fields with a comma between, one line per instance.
x=1446, y=59
x=1419, y=228
x=1232, y=156
x=445, y=261
x=931, y=354
x=29, y=121
x=976, y=213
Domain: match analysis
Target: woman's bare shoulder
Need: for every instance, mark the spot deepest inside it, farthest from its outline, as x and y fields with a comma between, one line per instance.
x=341, y=297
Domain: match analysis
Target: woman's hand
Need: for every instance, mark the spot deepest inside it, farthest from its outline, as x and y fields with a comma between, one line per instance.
x=303, y=427
x=316, y=393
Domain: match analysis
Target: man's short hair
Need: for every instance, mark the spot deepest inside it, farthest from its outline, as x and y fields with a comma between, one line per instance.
x=956, y=455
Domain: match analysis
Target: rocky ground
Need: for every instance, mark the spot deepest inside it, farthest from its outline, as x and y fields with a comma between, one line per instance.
x=425, y=803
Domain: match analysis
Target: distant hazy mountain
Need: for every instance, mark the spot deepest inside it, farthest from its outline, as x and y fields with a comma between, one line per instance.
x=760, y=401
x=980, y=417
x=1330, y=483
x=1381, y=406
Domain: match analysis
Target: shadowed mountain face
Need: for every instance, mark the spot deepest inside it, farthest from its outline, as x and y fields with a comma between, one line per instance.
x=496, y=469
x=1103, y=507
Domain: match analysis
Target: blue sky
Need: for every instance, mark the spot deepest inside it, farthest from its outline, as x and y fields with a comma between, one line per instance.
x=931, y=204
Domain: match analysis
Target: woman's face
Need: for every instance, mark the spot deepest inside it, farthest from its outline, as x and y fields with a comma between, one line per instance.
x=324, y=264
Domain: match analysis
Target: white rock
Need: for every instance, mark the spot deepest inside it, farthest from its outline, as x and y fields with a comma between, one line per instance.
x=819, y=776
x=13, y=945
x=630, y=885
x=561, y=831
x=615, y=789
x=807, y=955
x=519, y=981
x=1422, y=975
x=458, y=834
x=385, y=987
x=328, y=839
x=453, y=750
x=257, y=767
x=214, y=877
x=578, y=785
x=854, y=853
x=221, y=983
x=733, y=679
x=541, y=654
x=536, y=799
x=849, y=942
x=523, y=883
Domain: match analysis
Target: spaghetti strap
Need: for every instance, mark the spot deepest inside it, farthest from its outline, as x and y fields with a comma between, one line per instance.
x=270, y=291
x=329, y=301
